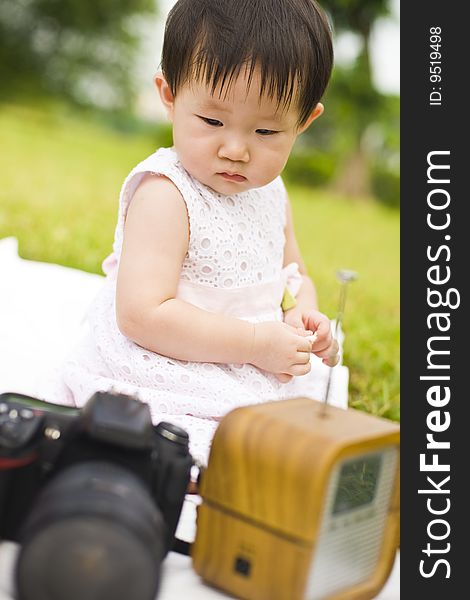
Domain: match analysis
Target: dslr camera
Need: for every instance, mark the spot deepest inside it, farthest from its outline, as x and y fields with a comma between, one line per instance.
x=93, y=495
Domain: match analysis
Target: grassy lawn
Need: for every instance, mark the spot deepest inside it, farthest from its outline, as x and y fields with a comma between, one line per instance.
x=334, y=234
x=61, y=178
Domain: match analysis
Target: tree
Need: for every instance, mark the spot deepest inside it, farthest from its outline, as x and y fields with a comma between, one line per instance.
x=352, y=100
x=359, y=17
x=83, y=49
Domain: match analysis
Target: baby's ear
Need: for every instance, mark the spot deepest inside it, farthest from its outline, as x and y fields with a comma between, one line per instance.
x=316, y=112
x=165, y=93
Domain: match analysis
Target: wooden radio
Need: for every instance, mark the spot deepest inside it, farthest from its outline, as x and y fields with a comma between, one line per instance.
x=299, y=501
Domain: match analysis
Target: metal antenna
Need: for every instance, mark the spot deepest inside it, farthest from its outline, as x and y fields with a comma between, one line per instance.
x=344, y=276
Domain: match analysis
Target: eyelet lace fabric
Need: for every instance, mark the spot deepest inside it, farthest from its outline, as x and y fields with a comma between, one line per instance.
x=234, y=265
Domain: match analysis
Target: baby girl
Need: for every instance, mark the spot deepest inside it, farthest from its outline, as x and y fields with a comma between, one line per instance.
x=207, y=304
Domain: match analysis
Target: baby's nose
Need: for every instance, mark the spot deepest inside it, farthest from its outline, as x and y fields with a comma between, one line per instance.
x=234, y=149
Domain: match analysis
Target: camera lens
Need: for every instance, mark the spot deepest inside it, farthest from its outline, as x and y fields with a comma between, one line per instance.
x=93, y=533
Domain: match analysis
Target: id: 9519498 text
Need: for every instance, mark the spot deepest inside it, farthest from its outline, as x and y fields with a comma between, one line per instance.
x=435, y=66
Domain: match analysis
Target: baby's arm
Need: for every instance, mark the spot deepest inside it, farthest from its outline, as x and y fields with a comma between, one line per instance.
x=305, y=314
x=156, y=238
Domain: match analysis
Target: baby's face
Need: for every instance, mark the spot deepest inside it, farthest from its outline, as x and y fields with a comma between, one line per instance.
x=232, y=143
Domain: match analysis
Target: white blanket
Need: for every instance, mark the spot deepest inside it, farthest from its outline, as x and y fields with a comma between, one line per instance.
x=42, y=310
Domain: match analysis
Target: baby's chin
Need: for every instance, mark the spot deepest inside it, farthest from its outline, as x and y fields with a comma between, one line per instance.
x=218, y=184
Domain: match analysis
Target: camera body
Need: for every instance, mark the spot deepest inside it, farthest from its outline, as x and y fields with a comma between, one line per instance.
x=104, y=467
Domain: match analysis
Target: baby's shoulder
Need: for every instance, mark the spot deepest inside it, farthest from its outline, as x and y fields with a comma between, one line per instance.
x=164, y=161
x=161, y=170
x=156, y=188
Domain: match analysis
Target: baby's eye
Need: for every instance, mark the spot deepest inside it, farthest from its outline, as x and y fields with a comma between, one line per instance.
x=266, y=131
x=212, y=122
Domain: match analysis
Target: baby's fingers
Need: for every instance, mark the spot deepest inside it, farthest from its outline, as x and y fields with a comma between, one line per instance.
x=322, y=342
x=331, y=361
x=304, y=344
x=332, y=357
x=302, y=358
x=330, y=351
x=300, y=369
x=302, y=332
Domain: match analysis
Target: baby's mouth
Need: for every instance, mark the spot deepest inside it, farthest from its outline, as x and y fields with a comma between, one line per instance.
x=232, y=176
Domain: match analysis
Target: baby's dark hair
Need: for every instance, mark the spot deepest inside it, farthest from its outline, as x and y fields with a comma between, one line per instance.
x=290, y=41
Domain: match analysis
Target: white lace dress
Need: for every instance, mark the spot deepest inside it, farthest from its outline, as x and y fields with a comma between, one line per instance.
x=233, y=266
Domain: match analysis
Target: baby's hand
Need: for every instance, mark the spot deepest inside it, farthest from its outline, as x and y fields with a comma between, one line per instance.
x=311, y=337
x=324, y=345
x=293, y=317
x=281, y=349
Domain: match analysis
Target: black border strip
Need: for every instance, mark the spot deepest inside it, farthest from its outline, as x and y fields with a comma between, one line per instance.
x=440, y=125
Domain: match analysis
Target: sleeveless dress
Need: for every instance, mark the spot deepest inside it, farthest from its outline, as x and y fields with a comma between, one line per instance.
x=234, y=266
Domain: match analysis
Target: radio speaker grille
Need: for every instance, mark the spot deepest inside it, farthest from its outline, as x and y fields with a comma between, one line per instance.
x=348, y=546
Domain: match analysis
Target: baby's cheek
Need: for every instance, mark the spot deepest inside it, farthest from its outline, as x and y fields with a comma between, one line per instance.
x=191, y=160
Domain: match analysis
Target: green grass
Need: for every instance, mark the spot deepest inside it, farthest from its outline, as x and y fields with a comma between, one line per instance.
x=61, y=177
x=333, y=234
